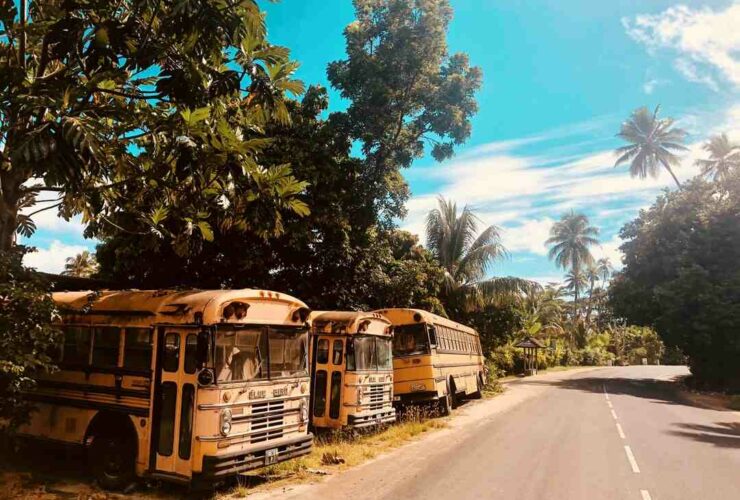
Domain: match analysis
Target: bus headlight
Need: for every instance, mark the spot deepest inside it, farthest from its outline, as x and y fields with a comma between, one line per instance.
x=225, y=422
x=360, y=393
x=303, y=411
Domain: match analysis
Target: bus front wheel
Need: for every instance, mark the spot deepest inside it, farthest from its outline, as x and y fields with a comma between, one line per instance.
x=112, y=462
x=445, y=402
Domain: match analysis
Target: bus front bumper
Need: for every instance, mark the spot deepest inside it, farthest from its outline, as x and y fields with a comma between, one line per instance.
x=369, y=419
x=216, y=468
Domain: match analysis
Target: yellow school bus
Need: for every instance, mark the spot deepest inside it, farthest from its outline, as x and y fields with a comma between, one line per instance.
x=351, y=370
x=188, y=386
x=434, y=359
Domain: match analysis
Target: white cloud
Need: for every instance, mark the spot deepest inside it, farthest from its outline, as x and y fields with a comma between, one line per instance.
x=707, y=42
x=528, y=236
x=610, y=250
x=52, y=259
x=650, y=85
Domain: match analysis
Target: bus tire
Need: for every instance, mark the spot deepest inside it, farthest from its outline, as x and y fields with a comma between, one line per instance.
x=479, y=391
x=445, y=402
x=113, y=462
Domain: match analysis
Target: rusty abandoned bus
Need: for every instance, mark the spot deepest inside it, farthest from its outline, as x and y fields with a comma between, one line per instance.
x=188, y=386
x=351, y=369
x=434, y=359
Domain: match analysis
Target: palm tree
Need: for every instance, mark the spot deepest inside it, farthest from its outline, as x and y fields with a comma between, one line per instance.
x=724, y=158
x=570, y=239
x=653, y=143
x=466, y=255
x=604, y=268
x=592, y=276
x=575, y=280
x=82, y=265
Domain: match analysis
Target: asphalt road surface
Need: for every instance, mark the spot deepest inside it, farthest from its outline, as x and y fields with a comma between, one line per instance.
x=608, y=433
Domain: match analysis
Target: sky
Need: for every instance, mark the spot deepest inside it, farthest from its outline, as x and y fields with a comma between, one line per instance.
x=559, y=78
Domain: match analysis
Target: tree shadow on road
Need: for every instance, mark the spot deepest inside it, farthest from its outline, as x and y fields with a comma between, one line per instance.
x=722, y=434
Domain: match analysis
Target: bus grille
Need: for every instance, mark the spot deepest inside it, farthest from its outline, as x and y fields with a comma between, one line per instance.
x=271, y=424
x=377, y=396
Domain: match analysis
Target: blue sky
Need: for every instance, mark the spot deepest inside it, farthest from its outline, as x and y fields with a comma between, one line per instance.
x=559, y=77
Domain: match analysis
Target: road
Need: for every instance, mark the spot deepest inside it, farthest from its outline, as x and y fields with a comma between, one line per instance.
x=608, y=433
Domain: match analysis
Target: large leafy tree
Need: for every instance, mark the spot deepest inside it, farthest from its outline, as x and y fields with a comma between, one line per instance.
x=343, y=254
x=466, y=254
x=681, y=276
x=652, y=143
x=143, y=116
x=570, y=240
x=724, y=158
x=405, y=90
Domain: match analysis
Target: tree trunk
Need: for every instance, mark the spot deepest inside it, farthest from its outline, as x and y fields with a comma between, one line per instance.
x=590, y=302
x=10, y=194
x=670, y=171
x=575, y=305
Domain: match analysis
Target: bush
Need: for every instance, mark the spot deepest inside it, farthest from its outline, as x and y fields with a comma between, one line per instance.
x=26, y=335
x=674, y=356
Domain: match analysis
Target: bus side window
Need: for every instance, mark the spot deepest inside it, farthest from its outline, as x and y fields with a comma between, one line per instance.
x=137, y=349
x=337, y=354
x=322, y=352
x=319, y=406
x=77, y=343
x=106, y=343
x=171, y=353
x=432, y=336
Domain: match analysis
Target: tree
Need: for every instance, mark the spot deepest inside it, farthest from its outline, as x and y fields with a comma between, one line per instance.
x=575, y=280
x=345, y=253
x=604, y=269
x=466, y=255
x=82, y=265
x=652, y=143
x=592, y=275
x=724, y=158
x=405, y=90
x=681, y=276
x=26, y=335
x=143, y=117
x=569, y=241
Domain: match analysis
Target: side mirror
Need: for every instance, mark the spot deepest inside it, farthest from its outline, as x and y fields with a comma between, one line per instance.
x=203, y=348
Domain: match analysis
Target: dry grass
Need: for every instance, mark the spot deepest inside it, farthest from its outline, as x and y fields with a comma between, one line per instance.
x=336, y=451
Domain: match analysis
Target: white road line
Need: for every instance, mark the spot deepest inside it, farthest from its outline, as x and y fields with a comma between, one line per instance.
x=631, y=458
x=620, y=431
x=614, y=415
x=645, y=495
x=610, y=404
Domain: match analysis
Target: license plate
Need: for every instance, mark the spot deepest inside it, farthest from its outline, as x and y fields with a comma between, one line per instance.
x=271, y=456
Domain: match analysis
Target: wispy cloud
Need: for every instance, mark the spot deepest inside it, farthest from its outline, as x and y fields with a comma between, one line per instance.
x=52, y=258
x=525, y=194
x=706, y=42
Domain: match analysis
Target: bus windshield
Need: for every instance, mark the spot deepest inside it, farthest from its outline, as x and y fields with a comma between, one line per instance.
x=368, y=352
x=409, y=340
x=256, y=353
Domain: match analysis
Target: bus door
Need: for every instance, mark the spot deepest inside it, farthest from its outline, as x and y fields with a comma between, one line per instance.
x=328, y=360
x=174, y=403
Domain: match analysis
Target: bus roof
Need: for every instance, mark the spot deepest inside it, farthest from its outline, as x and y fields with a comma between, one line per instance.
x=349, y=319
x=403, y=316
x=182, y=306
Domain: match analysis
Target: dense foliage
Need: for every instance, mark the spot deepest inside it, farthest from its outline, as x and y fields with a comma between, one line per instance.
x=143, y=116
x=404, y=91
x=682, y=276
x=26, y=334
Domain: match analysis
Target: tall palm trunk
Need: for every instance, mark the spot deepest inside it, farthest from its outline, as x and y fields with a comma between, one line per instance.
x=590, y=302
x=670, y=171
